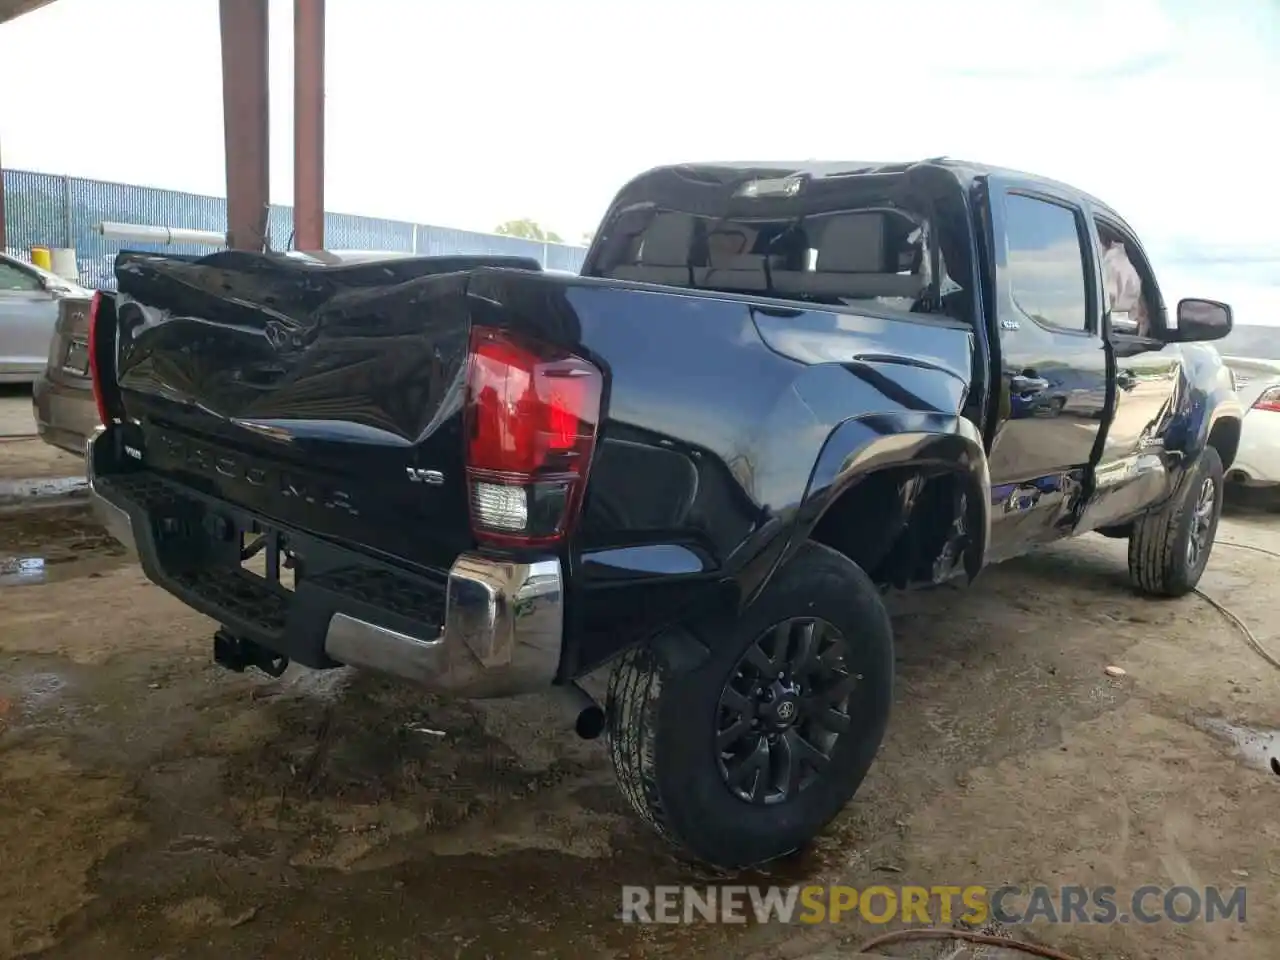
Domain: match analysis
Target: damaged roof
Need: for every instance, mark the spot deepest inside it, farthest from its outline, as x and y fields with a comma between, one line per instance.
x=726, y=172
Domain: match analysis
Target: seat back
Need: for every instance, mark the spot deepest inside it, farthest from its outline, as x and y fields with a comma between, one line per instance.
x=664, y=251
x=852, y=260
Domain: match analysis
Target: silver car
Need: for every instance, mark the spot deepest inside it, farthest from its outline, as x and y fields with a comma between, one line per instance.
x=29, y=300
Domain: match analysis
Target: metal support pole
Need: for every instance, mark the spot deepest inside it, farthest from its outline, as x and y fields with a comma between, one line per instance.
x=3, y=241
x=246, y=130
x=308, y=124
x=68, y=225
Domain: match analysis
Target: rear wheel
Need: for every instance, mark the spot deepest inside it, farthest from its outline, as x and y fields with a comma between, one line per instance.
x=748, y=755
x=1170, y=547
x=1241, y=493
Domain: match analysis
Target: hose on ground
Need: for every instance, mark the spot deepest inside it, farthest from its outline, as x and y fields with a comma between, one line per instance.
x=986, y=939
x=1239, y=624
x=1035, y=949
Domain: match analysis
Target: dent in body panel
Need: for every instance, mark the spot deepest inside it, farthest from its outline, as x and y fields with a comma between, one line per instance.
x=862, y=395
x=1053, y=380
x=289, y=371
x=910, y=449
x=690, y=380
x=280, y=343
x=881, y=363
x=750, y=414
x=814, y=336
x=1206, y=398
x=1168, y=403
x=714, y=433
x=1132, y=471
x=689, y=385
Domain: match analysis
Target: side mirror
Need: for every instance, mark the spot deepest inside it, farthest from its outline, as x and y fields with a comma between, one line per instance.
x=1202, y=320
x=57, y=286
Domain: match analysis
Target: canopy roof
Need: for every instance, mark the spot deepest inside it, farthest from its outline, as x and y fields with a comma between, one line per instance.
x=16, y=8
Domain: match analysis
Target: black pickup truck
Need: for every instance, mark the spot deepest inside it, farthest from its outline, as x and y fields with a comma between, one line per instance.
x=775, y=391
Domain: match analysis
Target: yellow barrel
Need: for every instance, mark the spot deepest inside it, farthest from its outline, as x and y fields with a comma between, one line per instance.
x=42, y=258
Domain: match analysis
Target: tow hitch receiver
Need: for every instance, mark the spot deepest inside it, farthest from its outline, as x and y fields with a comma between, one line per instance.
x=236, y=654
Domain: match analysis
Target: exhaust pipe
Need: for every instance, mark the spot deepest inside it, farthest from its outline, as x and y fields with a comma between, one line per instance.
x=586, y=714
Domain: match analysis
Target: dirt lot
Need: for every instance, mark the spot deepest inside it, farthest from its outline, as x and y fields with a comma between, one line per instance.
x=16, y=418
x=22, y=456
x=153, y=805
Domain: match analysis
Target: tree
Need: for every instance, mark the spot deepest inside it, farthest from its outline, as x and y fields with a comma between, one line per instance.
x=587, y=238
x=527, y=229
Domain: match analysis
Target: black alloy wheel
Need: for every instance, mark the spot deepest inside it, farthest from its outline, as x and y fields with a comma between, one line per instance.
x=783, y=710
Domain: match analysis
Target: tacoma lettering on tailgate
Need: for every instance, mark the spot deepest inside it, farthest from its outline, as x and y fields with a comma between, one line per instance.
x=204, y=459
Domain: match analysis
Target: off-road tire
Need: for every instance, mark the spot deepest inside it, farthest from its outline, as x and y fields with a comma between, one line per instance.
x=1159, y=561
x=662, y=720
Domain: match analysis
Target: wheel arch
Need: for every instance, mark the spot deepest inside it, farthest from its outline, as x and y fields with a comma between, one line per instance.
x=1209, y=411
x=919, y=483
x=1224, y=436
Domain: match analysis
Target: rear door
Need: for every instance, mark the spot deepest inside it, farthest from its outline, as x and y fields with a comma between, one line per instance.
x=27, y=315
x=1053, y=376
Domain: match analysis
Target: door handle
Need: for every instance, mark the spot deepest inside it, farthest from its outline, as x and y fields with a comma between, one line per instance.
x=1024, y=384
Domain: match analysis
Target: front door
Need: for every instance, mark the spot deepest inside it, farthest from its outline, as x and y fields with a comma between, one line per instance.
x=1053, y=376
x=28, y=313
x=1132, y=468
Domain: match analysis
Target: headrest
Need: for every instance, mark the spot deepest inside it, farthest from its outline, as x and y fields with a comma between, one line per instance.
x=852, y=243
x=667, y=240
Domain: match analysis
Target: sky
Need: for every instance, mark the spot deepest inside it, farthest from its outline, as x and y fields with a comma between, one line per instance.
x=469, y=114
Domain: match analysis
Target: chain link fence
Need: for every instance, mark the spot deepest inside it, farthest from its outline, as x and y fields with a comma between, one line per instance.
x=45, y=209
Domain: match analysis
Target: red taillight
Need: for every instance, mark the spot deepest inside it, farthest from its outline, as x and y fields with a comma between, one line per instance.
x=1269, y=400
x=95, y=375
x=531, y=417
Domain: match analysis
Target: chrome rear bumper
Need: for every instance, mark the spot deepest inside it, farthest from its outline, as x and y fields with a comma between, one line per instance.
x=500, y=633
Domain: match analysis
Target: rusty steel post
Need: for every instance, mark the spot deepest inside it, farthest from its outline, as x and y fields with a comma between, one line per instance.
x=308, y=124
x=246, y=130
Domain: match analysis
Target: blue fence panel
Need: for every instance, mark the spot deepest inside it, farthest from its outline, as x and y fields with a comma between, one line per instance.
x=35, y=210
x=562, y=257
x=93, y=201
x=440, y=241
x=344, y=231
x=43, y=209
x=279, y=226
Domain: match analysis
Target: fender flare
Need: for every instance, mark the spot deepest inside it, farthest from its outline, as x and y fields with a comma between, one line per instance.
x=866, y=444
x=1222, y=408
x=1206, y=399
